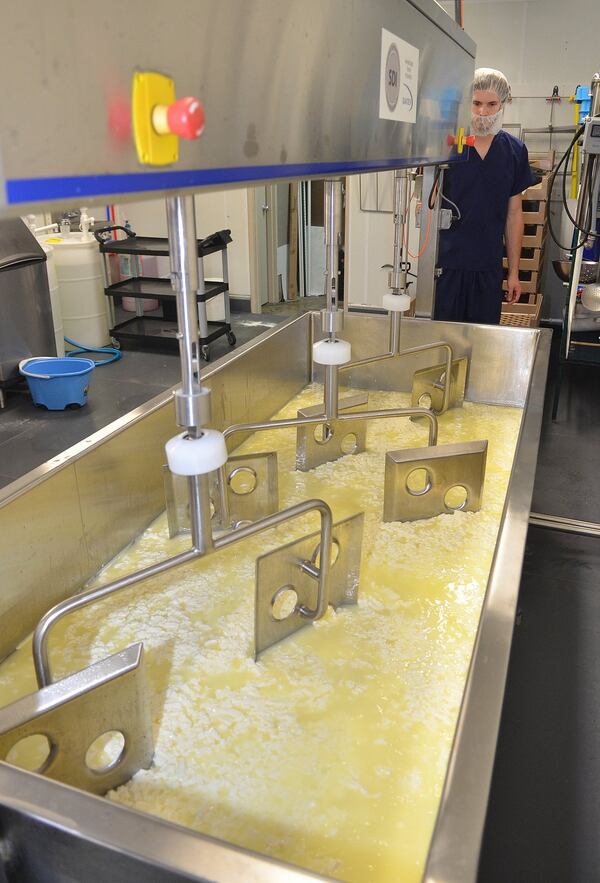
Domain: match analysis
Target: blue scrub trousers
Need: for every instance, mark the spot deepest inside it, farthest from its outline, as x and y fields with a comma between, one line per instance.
x=469, y=296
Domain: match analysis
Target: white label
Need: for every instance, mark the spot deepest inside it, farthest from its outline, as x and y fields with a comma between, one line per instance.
x=399, y=79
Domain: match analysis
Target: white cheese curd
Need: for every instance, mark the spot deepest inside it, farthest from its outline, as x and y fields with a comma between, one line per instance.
x=329, y=752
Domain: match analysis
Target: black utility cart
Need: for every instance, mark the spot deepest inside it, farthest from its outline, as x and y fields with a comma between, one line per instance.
x=160, y=331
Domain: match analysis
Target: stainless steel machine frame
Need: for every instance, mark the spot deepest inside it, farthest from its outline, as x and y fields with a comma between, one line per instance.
x=109, y=488
x=283, y=94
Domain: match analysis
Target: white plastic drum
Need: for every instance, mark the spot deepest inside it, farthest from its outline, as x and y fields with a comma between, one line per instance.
x=81, y=286
x=54, y=299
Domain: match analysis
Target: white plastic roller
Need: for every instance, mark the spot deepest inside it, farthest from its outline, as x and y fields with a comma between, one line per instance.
x=331, y=352
x=397, y=303
x=196, y=456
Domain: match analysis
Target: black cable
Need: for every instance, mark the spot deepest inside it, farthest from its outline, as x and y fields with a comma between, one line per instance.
x=565, y=156
x=567, y=152
x=586, y=233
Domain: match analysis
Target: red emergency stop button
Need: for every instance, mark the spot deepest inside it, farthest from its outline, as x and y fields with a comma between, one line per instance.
x=461, y=140
x=184, y=117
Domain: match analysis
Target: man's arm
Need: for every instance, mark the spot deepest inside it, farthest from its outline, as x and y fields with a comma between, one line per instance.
x=513, y=235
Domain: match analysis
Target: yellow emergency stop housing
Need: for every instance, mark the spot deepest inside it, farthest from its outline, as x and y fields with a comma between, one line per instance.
x=460, y=140
x=150, y=88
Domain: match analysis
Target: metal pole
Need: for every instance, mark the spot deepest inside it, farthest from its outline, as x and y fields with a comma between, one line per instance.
x=353, y=415
x=395, y=325
x=567, y=525
x=181, y=224
x=41, y=660
x=321, y=573
x=369, y=360
x=192, y=401
x=200, y=514
x=399, y=268
x=428, y=242
x=332, y=191
x=331, y=316
x=331, y=391
x=399, y=412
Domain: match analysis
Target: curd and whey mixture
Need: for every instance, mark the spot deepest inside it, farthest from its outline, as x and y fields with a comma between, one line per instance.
x=329, y=752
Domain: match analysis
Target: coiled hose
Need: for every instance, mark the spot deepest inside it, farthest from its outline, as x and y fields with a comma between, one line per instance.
x=114, y=353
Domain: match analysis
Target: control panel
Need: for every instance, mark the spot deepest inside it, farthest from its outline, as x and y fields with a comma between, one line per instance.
x=591, y=136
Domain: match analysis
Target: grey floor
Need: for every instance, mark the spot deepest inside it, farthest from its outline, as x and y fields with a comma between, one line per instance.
x=544, y=812
x=29, y=436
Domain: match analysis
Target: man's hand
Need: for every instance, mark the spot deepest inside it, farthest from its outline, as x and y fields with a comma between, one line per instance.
x=513, y=286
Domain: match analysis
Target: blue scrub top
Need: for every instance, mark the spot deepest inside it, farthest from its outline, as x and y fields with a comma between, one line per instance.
x=481, y=188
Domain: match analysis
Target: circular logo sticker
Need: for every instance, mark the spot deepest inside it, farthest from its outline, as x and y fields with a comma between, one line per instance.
x=392, y=77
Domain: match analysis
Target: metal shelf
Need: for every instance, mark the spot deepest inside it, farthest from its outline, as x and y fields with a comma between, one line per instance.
x=159, y=247
x=161, y=331
x=153, y=287
x=157, y=332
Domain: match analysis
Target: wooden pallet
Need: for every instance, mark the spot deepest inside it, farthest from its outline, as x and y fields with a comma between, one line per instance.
x=524, y=315
x=542, y=160
x=532, y=262
x=528, y=286
x=538, y=191
x=534, y=235
x=528, y=253
x=534, y=211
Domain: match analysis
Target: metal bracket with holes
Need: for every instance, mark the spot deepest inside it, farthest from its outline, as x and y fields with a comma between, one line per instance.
x=286, y=581
x=428, y=386
x=419, y=482
x=108, y=696
x=338, y=439
x=252, y=492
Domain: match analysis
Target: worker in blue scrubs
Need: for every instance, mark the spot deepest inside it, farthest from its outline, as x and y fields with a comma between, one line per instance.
x=484, y=193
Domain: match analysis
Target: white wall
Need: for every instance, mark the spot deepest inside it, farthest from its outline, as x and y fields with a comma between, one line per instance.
x=370, y=238
x=538, y=44
x=224, y=209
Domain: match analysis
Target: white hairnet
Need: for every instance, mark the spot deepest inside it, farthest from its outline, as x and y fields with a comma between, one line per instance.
x=489, y=80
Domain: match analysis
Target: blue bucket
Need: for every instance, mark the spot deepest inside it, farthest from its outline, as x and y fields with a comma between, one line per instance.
x=57, y=383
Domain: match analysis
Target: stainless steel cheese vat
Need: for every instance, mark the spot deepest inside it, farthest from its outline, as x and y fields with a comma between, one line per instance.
x=104, y=492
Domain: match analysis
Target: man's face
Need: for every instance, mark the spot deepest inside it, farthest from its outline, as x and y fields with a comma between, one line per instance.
x=486, y=114
x=485, y=103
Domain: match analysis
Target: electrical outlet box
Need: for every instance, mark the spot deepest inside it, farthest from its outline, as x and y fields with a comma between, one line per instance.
x=445, y=217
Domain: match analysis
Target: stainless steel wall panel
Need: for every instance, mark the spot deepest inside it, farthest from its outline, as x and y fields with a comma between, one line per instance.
x=259, y=378
x=66, y=519
x=43, y=554
x=499, y=369
x=290, y=89
x=120, y=486
x=75, y=836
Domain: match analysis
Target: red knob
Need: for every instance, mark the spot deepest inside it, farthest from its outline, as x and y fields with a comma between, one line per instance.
x=470, y=140
x=450, y=140
x=185, y=118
